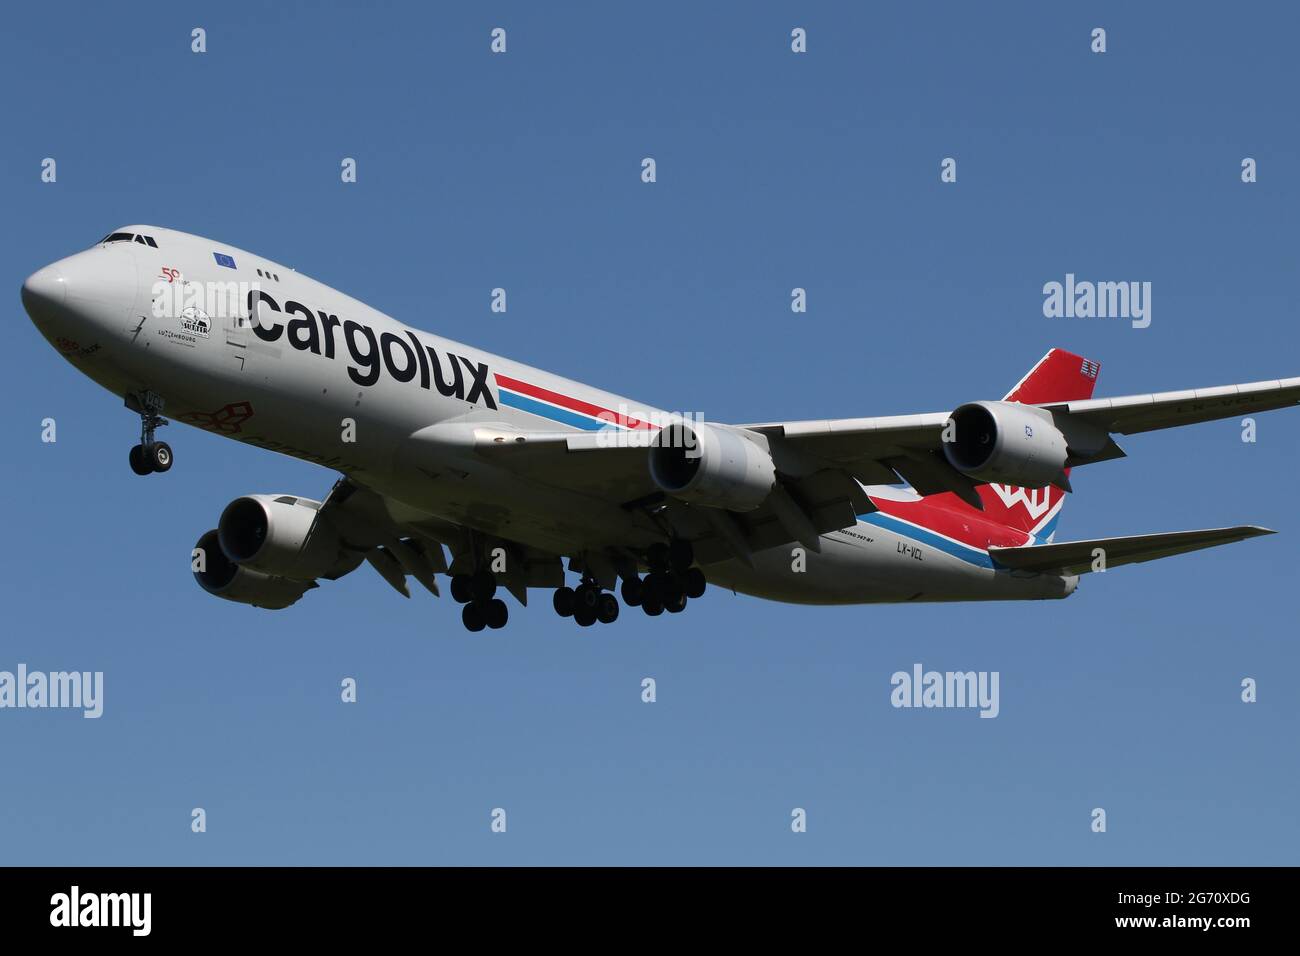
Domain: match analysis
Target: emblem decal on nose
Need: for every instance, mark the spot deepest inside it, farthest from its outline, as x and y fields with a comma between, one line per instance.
x=226, y=420
x=69, y=348
x=196, y=322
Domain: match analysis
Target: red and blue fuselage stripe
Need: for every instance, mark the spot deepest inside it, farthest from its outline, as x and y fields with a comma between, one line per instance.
x=562, y=408
x=966, y=537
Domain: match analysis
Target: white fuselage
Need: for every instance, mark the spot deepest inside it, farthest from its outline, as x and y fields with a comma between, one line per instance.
x=320, y=376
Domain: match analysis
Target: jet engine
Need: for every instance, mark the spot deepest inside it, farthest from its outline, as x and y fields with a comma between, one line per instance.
x=220, y=576
x=283, y=536
x=711, y=465
x=1007, y=443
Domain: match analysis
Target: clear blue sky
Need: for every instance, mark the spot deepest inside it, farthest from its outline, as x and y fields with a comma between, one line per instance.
x=775, y=171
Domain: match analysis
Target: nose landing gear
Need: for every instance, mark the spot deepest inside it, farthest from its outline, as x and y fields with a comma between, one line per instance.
x=147, y=459
x=150, y=455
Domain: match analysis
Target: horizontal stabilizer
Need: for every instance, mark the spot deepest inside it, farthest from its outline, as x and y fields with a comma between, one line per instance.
x=1079, y=557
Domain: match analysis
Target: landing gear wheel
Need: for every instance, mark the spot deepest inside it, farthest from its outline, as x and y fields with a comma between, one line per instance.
x=672, y=593
x=694, y=583
x=471, y=616
x=652, y=604
x=564, y=601
x=657, y=557
x=460, y=592
x=632, y=590
x=675, y=604
x=139, y=461
x=588, y=597
x=585, y=616
x=149, y=456
x=607, y=609
x=680, y=554
x=483, y=586
x=653, y=586
x=495, y=613
x=160, y=456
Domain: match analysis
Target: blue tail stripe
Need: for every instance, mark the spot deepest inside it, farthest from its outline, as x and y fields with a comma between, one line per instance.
x=971, y=555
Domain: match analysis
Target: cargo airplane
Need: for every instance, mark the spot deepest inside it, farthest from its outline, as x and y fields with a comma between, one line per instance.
x=508, y=478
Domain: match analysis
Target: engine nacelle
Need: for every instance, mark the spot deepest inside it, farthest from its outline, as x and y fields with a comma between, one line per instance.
x=711, y=465
x=1006, y=443
x=282, y=536
x=223, y=578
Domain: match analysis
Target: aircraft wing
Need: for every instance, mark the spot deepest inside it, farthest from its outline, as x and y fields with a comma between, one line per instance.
x=413, y=546
x=1078, y=557
x=611, y=469
x=358, y=515
x=911, y=445
x=823, y=464
x=1143, y=413
x=872, y=450
x=600, y=464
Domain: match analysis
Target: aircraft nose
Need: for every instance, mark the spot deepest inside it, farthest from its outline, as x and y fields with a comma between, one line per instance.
x=83, y=296
x=44, y=289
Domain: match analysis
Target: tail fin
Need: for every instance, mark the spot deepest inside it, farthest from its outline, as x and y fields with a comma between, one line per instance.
x=1059, y=376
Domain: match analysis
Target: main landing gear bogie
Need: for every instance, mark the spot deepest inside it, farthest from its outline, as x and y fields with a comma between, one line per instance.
x=672, y=582
x=587, y=604
x=478, y=615
x=482, y=608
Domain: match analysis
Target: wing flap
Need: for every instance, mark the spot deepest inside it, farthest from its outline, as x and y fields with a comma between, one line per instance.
x=1077, y=557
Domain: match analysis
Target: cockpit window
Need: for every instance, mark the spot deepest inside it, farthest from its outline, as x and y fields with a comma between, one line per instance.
x=128, y=237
